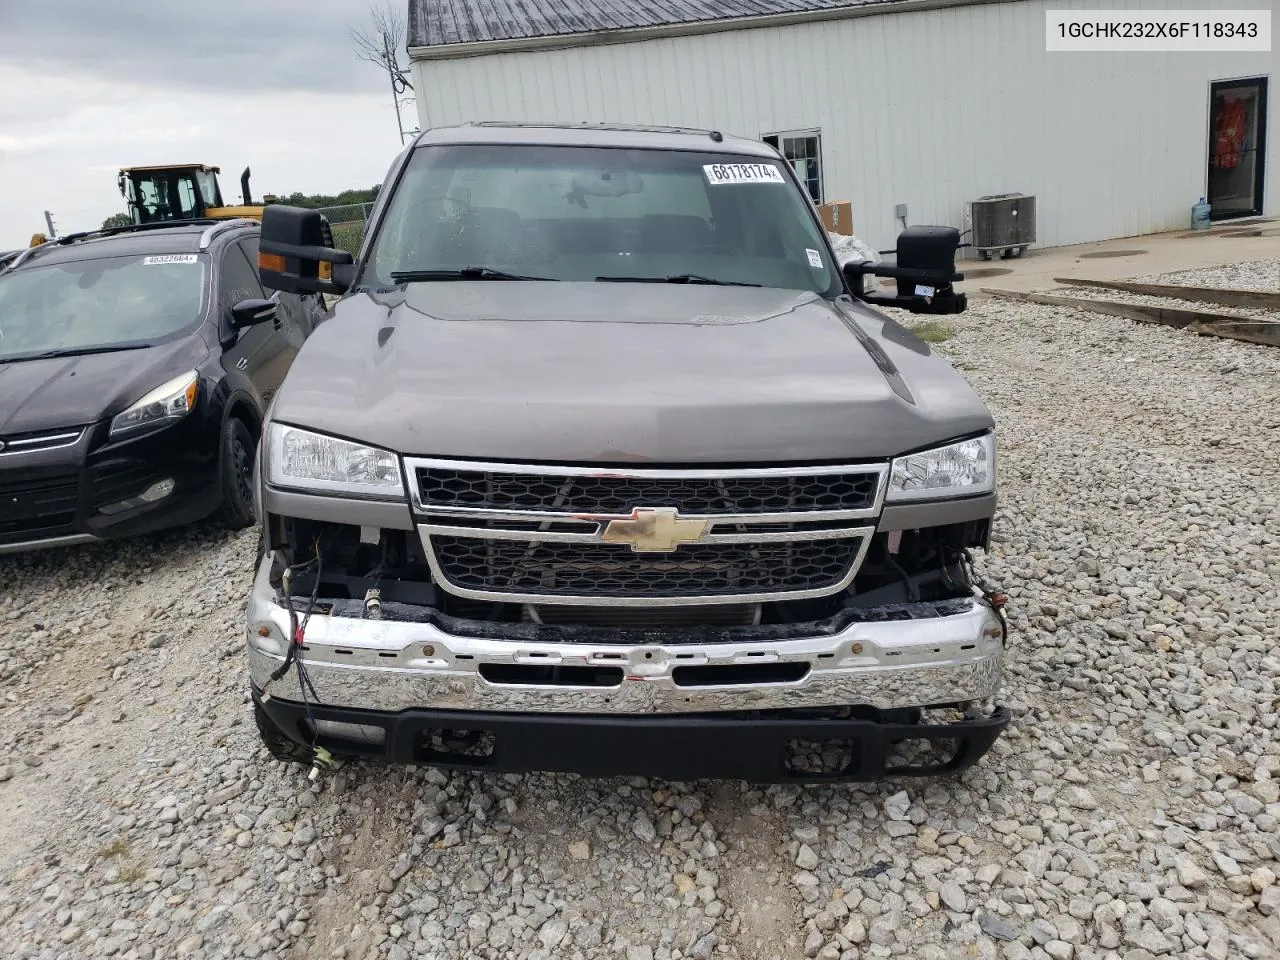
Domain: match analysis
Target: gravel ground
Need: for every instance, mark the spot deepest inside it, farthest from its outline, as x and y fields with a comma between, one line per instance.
x=1247, y=275
x=1255, y=275
x=1131, y=812
x=1122, y=296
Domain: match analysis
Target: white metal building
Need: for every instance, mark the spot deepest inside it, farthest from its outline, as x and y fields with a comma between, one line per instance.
x=928, y=103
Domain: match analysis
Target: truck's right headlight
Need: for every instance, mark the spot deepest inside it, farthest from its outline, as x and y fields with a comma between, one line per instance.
x=316, y=463
x=963, y=469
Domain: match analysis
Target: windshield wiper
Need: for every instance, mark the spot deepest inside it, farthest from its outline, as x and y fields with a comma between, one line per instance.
x=465, y=273
x=677, y=278
x=74, y=352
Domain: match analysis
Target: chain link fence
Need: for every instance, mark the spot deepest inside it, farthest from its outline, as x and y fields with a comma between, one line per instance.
x=348, y=223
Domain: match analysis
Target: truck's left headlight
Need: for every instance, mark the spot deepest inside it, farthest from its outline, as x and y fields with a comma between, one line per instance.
x=963, y=469
x=172, y=400
x=318, y=463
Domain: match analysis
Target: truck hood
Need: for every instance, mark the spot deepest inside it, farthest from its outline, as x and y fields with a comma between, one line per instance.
x=58, y=392
x=624, y=373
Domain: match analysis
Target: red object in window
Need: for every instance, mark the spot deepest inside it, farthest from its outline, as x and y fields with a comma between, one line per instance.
x=1229, y=137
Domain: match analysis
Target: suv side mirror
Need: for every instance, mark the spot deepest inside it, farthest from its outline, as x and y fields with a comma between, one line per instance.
x=925, y=271
x=249, y=313
x=295, y=252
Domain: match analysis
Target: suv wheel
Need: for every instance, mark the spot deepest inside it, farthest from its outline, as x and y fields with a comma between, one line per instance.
x=277, y=744
x=237, y=475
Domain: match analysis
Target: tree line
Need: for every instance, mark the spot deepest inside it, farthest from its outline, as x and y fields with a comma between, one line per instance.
x=316, y=200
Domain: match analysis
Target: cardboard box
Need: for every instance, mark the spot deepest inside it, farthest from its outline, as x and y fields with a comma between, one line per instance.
x=837, y=217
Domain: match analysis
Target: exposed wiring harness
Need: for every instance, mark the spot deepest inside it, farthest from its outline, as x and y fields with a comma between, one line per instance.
x=293, y=654
x=295, y=639
x=997, y=599
x=913, y=589
x=373, y=596
x=304, y=681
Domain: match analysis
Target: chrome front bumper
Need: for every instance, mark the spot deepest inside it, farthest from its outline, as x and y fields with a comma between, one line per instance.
x=390, y=666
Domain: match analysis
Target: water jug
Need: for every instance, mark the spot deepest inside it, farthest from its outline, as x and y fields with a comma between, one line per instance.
x=1200, y=215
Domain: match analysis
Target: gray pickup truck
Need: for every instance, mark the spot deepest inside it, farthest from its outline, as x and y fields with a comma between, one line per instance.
x=603, y=464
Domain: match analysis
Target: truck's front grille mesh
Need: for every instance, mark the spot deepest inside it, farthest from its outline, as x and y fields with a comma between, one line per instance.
x=482, y=489
x=613, y=571
x=574, y=536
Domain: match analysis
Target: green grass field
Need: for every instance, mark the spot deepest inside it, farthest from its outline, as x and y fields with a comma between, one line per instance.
x=348, y=236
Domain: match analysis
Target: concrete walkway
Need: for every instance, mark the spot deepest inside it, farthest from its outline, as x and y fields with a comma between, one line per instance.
x=1125, y=258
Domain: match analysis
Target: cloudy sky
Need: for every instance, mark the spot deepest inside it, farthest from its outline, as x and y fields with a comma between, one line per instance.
x=88, y=86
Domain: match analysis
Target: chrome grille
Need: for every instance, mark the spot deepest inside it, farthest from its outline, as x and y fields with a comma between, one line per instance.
x=690, y=494
x=706, y=570
x=43, y=440
x=575, y=535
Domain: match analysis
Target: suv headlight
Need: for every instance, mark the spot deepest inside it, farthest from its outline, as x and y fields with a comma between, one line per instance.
x=321, y=464
x=172, y=400
x=963, y=469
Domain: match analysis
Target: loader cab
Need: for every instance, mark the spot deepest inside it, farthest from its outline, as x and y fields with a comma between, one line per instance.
x=178, y=192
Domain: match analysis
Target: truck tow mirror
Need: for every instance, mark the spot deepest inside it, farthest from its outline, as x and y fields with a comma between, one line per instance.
x=295, y=252
x=925, y=272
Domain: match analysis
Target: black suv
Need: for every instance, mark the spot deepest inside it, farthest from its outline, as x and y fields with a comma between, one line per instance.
x=135, y=368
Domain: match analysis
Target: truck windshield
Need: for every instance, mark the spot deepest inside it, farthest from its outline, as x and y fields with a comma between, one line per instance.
x=86, y=306
x=586, y=214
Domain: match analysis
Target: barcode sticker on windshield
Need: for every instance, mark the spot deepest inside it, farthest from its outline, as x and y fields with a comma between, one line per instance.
x=170, y=258
x=742, y=173
x=815, y=258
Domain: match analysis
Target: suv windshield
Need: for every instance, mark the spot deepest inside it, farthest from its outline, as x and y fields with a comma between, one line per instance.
x=584, y=213
x=87, y=305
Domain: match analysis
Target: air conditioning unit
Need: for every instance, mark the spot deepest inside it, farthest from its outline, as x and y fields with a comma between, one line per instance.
x=1004, y=223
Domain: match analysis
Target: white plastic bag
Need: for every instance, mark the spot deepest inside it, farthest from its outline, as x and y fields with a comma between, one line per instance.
x=853, y=250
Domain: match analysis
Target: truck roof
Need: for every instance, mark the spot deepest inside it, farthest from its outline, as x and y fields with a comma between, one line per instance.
x=595, y=135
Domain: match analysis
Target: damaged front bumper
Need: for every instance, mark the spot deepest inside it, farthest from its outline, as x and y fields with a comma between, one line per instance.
x=386, y=687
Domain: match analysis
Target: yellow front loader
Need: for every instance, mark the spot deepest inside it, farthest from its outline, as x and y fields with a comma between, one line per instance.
x=182, y=191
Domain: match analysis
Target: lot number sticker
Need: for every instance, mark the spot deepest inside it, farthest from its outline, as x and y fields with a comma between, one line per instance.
x=718, y=173
x=170, y=258
x=815, y=258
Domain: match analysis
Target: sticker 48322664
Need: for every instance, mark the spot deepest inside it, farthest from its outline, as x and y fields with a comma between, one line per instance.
x=815, y=258
x=170, y=258
x=718, y=173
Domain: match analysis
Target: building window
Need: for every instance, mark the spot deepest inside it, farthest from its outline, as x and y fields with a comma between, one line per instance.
x=803, y=150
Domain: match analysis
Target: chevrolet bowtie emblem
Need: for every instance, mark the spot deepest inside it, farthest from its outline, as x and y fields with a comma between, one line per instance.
x=654, y=530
